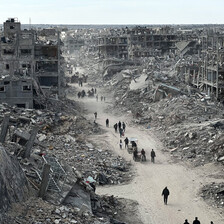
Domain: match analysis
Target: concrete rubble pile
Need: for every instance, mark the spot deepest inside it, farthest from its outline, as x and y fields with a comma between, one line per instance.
x=61, y=136
x=184, y=115
x=11, y=191
x=188, y=122
x=37, y=211
x=214, y=193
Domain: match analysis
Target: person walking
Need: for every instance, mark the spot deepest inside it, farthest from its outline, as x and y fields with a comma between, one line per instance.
x=115, y=128
x=124, y=126
x=95, y=114
x=165, y=194
x=107, y=122
x=101, y=98
x=119, y=125
x=121, y=144
x=196, y=221
x=153, y=155
x=121, y=132
x=143, y=157
x=126, y=142
x=186, y=222
x=97, y=97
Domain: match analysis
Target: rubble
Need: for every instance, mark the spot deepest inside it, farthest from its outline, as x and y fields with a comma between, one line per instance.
x=61, y=136
x=214, y=194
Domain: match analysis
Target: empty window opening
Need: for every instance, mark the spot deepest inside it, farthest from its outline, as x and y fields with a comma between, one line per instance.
x=2, y=88
x=12, y=27
x=21, y=105
x=7, y=66
x=6, y=82
x=10, y=51
x=25, y=51
x=27, y=88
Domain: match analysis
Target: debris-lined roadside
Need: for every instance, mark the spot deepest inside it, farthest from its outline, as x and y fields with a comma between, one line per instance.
x=62, y=136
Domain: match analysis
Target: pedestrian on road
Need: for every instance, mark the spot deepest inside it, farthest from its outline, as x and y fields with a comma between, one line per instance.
x=126, y=142
x=104, y=98
x=186, y=222
x=121, y=144
x=97, y=97
x=153, y=155
x=196, y=221
x=121, y=132
x=165, y=194
x=124, y=126
x=95, y=114
x=115, y=128
x=119, y=125
x=107, y=122
x=95, y=90
x=101, y=98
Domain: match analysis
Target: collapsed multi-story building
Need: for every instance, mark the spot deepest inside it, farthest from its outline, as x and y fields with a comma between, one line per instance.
x=211, y=72
x=27, y=60
x=136, y=43
x=115, y=46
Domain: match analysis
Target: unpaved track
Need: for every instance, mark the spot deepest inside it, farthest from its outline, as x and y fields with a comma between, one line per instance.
x=150, y=179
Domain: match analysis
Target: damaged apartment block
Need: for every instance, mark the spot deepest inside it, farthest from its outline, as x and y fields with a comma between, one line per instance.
x=29, y=61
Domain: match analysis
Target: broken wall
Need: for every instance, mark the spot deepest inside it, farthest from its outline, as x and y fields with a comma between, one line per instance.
x=13, y=183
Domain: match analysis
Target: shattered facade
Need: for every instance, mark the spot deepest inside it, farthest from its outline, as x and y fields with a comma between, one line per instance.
x=26, y=56
x=137, y=43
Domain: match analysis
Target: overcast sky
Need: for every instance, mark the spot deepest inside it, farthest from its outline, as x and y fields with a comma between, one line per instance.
x=114, y=11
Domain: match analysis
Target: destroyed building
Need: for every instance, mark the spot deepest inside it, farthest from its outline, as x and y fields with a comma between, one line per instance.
x=211, y=72
x=137, y=43
x=116, y=47
x=204, y=66
x=27, y=57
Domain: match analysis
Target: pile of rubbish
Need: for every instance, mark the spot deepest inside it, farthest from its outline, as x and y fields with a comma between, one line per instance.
x=214, y=193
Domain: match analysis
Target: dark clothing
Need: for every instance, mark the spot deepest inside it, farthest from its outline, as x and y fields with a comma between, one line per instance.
x=143, y=155
x=115, y=127
x=107, y=122
x=186, y=222
x=196, y=221
x=119, y=125
x=124, y=126
x=165, y=194
x=121, y=132
x=126, y=142
x=134, y=144
x=135, y=154
x=153, y=155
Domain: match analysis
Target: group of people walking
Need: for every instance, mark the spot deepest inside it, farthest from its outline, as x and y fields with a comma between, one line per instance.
x=196, y=221
x=102, y=98
x=81, y=93
x=121, y=127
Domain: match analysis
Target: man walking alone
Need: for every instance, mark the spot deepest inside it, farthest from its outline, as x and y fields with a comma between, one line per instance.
x=165, y=195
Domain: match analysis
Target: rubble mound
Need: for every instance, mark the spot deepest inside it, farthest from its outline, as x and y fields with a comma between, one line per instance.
x=13, y=183
x=214, y=193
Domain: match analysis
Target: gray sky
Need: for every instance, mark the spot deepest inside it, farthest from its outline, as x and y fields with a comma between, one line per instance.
x=114, y=11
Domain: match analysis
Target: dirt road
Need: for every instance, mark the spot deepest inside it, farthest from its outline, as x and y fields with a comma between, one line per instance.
x=183, y=182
